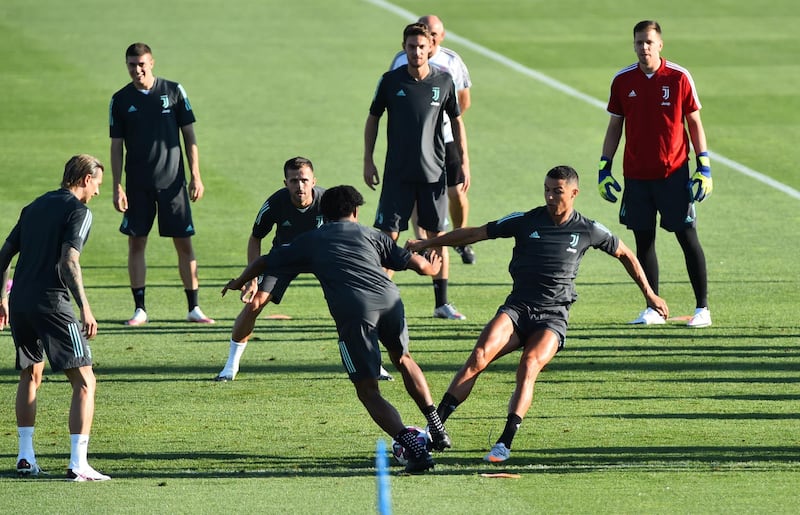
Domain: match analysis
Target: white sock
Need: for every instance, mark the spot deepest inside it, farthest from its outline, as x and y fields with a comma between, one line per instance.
x=79, y=448
x=26, y=444
x=234, y=356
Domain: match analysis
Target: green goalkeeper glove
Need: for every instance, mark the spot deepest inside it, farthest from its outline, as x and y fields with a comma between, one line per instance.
x=605, y=181
x=701, y=184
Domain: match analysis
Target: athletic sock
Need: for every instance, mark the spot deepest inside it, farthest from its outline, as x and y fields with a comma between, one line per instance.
x=25, y=434
x=440, y=291
x=191, y=298
x=79, y=448
x=408, y=439
x=447, y=407
x=234, y=356
x=435, y=424
x=138, y=298
x=512, y=425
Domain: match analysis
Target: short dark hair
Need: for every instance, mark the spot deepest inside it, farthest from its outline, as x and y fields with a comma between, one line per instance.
x=78, y=167
x=296, y=163
x=563, y=173
x=416, y=29
x=645, y=25
x=340, y=202
x=138, y=50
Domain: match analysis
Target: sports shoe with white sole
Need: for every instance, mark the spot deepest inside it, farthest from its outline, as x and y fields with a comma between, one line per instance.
x=384, y=375
x=86, y=473
x=197, y=316
x=139, y=317
x=449, y=312
x=701, y=318
x=224, y=377
x=498, y=454
x=649, y=317
x=26, y=468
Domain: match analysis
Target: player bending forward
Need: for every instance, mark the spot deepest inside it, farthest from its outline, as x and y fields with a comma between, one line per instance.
x=349, y=259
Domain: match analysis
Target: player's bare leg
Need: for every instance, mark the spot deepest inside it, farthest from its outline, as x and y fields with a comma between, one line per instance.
x=81, y=415
x=30, y=379
x=187, y=268
x=393, y=236
x=459, y=212
x=81, y=411
x=137, y=274
x=496, y=340
x=539, y=350
x=442, y=306
x=417, y=387
x=242, y=330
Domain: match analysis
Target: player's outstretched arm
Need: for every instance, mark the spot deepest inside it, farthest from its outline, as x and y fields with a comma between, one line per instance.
x=635, y=270
x=429, y=263
x=253, y=270
x=462, y=236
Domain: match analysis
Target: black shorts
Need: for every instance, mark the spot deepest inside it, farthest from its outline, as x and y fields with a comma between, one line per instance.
x=670, y=197
x=275, y=284
x=170, y=204
x=528, y=319
x=398, y=199
x=359, y=336
x=57, y=334
x=452, y=165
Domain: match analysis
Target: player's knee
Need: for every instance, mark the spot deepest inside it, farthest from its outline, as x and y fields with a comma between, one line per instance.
x=258, y=302
x=367, y=391
x=33, y=375
x=83, y=380
x=478, y=361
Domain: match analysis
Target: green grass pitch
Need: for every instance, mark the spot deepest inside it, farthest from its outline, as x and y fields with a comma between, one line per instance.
x=625, y=420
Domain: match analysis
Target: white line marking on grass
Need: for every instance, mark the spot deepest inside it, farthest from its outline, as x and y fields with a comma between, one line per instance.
x=572, y=92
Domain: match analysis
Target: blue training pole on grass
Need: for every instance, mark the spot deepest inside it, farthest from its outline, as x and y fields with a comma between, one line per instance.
x=382, y=473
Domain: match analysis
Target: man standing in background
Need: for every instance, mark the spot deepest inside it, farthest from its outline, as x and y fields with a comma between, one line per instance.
x=653, y=99
x=457, y=183
x=416, y=97
x=148, y=117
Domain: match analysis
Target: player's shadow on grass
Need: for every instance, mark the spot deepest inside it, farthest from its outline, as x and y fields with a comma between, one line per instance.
x=210, y=465
x=643, y=459
x=218, y=332
x=164, y=466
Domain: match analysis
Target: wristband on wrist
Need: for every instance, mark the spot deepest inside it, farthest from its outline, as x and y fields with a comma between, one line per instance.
x=703, y=160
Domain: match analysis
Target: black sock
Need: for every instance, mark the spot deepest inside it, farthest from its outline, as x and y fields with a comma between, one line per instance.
x=191, y=298
x=408, y=439
x=435, y=424
x=447, y=406
x=512, y=425
x=440, y=291
x=138, y=298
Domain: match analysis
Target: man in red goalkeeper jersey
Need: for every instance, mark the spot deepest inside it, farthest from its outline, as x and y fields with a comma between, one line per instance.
x=655, y=101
